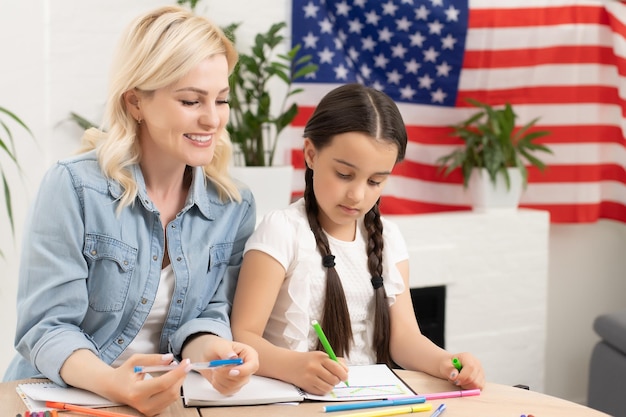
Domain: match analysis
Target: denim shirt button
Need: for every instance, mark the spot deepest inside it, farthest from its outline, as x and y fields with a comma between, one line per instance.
x=179, y=259
x=93, y=252
x=154, y=257
x=120, y=341
x=179, y=301
x=173, y=226
x=144, y=301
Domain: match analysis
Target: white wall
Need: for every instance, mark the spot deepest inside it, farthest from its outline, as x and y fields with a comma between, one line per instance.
x=54, y=57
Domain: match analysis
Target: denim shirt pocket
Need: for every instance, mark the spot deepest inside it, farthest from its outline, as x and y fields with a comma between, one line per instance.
x=111, y=266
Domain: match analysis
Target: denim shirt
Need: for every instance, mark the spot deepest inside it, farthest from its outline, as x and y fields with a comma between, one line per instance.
x=88, y=276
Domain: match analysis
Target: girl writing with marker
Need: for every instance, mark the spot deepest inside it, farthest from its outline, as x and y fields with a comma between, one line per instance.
x=331, y=257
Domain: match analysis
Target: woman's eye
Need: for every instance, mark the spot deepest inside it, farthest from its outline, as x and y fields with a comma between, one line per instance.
x=375, y=183
x=223, y=101
x=188, y=102
x=343, y=176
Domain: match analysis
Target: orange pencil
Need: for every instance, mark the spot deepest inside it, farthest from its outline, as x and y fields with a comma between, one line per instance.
x=85, y=410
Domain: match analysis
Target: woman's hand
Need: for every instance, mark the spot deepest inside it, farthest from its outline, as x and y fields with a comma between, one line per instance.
x=149, y=394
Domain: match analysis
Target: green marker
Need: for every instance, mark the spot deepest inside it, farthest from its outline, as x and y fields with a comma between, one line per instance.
x=327, y=347
x=457, y=364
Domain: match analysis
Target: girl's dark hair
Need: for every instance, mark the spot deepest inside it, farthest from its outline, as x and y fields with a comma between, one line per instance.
x=353, y=108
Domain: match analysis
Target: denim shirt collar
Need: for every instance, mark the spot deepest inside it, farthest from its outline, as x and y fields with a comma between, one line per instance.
x=198, y=194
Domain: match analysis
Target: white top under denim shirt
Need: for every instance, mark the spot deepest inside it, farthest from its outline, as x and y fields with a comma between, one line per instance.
x=88, y=277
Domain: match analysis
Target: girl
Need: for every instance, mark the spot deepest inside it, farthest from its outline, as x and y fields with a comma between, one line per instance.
x=331, y=257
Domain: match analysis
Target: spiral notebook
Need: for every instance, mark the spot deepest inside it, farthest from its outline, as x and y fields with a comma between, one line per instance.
x=367, y=382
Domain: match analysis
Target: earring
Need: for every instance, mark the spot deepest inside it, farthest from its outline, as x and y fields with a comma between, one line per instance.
x=139, y=120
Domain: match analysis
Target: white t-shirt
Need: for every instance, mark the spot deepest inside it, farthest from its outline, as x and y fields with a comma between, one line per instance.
x=286, y=236
x=148, y=338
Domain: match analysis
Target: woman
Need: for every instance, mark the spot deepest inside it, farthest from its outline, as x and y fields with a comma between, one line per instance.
x=134, y=245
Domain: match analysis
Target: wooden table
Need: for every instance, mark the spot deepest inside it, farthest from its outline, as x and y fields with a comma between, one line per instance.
x=495, y=401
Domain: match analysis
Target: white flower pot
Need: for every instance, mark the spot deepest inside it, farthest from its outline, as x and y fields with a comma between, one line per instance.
x=487, y=197
x=271, y=186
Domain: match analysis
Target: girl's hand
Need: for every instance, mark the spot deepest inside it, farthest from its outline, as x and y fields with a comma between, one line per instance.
x=316, y=373
x=471, y=376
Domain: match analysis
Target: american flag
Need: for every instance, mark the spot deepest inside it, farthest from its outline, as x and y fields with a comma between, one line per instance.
x=561, y=61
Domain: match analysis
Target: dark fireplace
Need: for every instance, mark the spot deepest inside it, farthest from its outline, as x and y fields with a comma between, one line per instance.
x=429, y=304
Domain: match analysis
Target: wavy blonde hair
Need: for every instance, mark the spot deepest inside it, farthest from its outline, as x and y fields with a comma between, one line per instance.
x=158, y=49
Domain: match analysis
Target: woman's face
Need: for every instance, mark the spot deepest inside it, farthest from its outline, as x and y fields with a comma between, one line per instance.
x=180, y=122
x=348, y=178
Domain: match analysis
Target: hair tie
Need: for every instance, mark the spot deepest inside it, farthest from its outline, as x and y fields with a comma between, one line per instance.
x=377, y=282
x=328, y=261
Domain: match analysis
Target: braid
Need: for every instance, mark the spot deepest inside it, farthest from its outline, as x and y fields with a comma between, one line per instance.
x=375, y=244
x=335, y=317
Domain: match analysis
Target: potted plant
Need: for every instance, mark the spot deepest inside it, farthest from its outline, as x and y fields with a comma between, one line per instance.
x=7, y=146
x=259, y=112
x=494, y=155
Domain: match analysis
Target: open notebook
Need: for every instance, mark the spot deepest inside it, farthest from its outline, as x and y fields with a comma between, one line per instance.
x=367, y=382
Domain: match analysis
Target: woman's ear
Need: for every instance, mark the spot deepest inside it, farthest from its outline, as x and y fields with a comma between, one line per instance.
x=131, y=99
x=309, y=153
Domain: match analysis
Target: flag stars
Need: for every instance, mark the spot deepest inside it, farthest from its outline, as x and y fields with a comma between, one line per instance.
x=341, y=72
x=430, y=55
x=372, y=18
x=326, y=56
x=435, y=27
x=398, y=51
x=355, y=26
x=403, y=24
x=342, y=9
x=417, y=39
x=326, y=26
x=368, y=44
x=365, y=71
x=412, y=67
x=437, y=2
x=422, y=13
x=407, y=92
x=443, y=70
x=452, y=14
x=390, y=8
x=394, y=77
x=448, y=42
x=310, y=40
x=438, y=96
x=353, y=54
x=385, y=35
x=360, y=3
x=310, y=10
x=380, y=61
x=426, y=81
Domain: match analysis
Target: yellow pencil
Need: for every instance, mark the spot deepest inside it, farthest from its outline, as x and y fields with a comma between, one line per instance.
x=392, y=411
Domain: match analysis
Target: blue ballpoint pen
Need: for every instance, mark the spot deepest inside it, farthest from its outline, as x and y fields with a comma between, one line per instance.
x=372, y=404
x=438, y=411
x=196, y=366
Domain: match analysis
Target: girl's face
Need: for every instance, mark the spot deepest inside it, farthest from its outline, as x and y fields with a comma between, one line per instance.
x=180, y=121
x=348, y=178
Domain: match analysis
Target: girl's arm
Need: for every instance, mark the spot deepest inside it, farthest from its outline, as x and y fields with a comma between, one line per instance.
x=412, y=350
x=260, y=279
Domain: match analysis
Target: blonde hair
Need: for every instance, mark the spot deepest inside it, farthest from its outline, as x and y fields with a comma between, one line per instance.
x=158, y=49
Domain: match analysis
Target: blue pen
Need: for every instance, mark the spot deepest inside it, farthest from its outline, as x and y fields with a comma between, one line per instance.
x=196, y=366
x=372, y=404
x=438, y=411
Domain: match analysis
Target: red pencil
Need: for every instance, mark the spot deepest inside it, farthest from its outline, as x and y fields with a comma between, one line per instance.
x=85, y=410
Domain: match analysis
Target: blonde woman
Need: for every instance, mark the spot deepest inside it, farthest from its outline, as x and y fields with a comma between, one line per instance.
x=134, y=245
